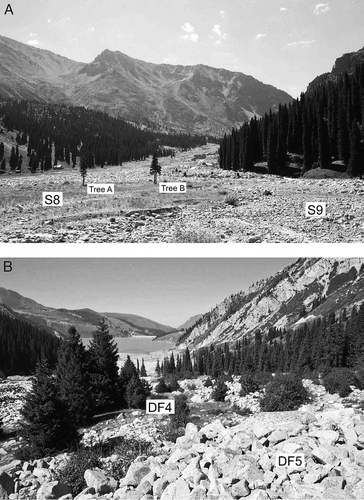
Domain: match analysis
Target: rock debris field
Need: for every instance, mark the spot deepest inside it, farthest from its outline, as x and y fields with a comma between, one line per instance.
x=219, y=206
x=224, y=457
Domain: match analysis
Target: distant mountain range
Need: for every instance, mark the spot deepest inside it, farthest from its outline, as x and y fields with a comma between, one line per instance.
x=302, y=292
x=85, y=320
x=177, y=98
x=346, y=62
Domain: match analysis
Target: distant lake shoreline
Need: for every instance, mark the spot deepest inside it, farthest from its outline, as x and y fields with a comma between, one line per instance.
x=137, y=345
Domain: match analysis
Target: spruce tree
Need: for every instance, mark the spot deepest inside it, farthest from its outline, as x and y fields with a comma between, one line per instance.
x=83, y=167
x=3, y=166
x=72, y=379
x=143, y=371
x=46, y=426
x=355, y=167
x=155, y=168
x=103, y=369
x=13, y=161
x=136, y=393
x=158, y=368
x=220, y=390
x=2, y=150
x=271, y=149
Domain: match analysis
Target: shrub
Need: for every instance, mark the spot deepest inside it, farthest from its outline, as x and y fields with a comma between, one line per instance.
x=232, y=199
x=284, y=393
x=220, y=390
x=194, y=234
x=191, y=387
x=208, y=382
x=263, y=378
x=161, y=387
x=248, y=384
x=127, y=450
x=339, y=381
x=72, y=473
x=244, y=412
x=173, y=384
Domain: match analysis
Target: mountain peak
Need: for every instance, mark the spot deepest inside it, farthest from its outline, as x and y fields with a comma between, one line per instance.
x=192, y=99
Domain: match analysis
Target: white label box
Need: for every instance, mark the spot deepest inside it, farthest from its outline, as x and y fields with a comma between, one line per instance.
x=100, y=189
x=160, y=406
x=296, y=460
x=172, y=187
x=52, y=199
x=315, y=209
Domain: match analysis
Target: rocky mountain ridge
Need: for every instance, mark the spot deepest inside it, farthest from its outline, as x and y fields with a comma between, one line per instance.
x=320, y=286
x=59, y=320
x=346, y=62
x=180, y=98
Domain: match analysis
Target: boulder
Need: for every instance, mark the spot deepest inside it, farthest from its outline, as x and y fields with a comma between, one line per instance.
x=136, y=472
x=179, y=490
x=324, y=456
x=240, y=489
x=97, y=480
x=53, y=489
x=6, y=484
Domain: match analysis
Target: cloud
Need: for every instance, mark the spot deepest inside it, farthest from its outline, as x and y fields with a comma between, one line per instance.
x=217, y=30
x=33, y=42
x=321, y=8
x=190, y=35
x=188, y=27
x=49, y=20
x=33, y=34
x=301, y=44
x=283, y=9
x=260, y=35
x=222, y=13
x=90, y=30
x=193, y=37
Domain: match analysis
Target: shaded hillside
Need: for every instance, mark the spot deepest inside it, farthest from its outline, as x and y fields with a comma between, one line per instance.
x=308, y=288
x=180, y=98
x=23, y=344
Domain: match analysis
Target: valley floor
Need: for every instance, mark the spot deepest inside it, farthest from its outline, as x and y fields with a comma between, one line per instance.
x=268, y=209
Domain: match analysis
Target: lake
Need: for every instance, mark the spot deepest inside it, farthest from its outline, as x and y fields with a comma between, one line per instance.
x=137, y=345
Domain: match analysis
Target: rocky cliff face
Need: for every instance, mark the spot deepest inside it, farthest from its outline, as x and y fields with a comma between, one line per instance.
x=279, y=300
x=346, y=62
x=184, y=98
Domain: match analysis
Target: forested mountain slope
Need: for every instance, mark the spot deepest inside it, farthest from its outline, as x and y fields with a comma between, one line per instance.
x=180, y=98
x=308, y=289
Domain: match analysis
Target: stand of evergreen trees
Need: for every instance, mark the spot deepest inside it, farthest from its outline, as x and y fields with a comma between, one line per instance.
x=84, y=382
x=58, y=133
x=336, y=341
x=325, y=124
x=23, y=345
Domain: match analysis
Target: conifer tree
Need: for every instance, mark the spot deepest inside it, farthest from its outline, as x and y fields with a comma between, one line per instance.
x=355, y=167
x=2, y=150
x=72, y=379
x=271, y=149
x=103, y=369
x=158, y=368
x=83, y=167
x=220, y=390
x=136, y=393
x=46, y=426
x=3, y=166
x=155, y=168
x=143, y=371
x=13, y=161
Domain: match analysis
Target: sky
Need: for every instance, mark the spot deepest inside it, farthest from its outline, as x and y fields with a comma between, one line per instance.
x=285, y=43
x=166, y=290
